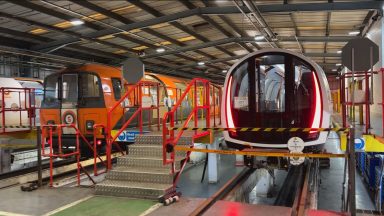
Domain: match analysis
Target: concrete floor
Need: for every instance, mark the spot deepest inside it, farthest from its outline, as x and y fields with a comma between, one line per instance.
x=190, y=185
x=331, y=179
x=41, y=201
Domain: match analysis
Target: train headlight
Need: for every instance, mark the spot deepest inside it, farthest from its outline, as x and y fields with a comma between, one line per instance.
x=89, y=124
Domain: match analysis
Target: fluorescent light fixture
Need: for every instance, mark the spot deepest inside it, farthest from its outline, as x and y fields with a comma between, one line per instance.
x=77, y=22
x=338, y=64
x=354, y=33
x=160, y=50
x=259, y=37
x=334, y=70
x=200, y=63
x=339, y=51
x=224, y=71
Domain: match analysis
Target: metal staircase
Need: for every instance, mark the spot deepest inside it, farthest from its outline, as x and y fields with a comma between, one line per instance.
x=141, y=173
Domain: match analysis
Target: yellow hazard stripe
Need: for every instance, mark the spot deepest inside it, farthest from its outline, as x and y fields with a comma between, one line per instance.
x=245, y=129
x=264, y=154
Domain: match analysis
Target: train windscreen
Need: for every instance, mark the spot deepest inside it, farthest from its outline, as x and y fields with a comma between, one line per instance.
x=81, y=89
x=273, y=91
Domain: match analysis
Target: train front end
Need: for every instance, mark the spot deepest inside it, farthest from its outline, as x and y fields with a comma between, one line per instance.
x=275, y=88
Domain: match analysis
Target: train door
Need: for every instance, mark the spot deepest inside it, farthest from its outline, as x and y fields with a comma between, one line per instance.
x=69, y=103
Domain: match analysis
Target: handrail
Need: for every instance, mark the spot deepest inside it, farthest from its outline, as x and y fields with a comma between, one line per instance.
x=76, y=152
x=95, y=155
x=172, y=141
x=111, y=139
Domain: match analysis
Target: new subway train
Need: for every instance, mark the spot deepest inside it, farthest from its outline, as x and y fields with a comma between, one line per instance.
x=83, y=95
x=275, y=88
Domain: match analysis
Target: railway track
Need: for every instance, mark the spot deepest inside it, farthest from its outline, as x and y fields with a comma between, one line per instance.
x=299, y=190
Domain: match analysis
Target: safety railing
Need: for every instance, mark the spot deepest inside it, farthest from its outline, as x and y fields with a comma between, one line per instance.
x=15, y=100
x=47, y=136
x=136, y=93
x=95, y=144
x=216, y=99
x=170, y=138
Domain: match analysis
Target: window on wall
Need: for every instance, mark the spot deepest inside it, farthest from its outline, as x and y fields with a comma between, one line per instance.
x=90, y=85
x=116, y=85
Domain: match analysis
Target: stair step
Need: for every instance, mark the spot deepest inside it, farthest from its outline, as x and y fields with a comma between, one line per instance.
x=150, y=151
x=146, y=162
x=138, y=174
x=132, y=189
x=158, y=140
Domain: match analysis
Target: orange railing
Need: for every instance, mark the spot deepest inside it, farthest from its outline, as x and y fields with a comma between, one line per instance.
x=170, y=139
x=137, y=92
x=23, y=98
x=47, y=137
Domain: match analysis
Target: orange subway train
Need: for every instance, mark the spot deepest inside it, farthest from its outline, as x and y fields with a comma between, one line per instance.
x=83, y=95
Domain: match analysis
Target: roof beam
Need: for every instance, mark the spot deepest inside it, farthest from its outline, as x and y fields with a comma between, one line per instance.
x=353, y=5
x=247, y=39
x=185, y=29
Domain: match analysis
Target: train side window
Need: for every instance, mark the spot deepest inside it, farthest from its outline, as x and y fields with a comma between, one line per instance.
x=90, y=86
x=116, y=84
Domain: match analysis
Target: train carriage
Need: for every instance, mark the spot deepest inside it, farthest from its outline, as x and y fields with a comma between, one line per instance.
x=275, y=88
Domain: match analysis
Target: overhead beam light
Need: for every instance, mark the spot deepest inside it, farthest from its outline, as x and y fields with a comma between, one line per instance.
x=77, y=22
x=224, y=71
x=160, y=50
x=259, y=37
x=339, y=51
x=334, y=70
x=200, y=63
x=338, y=64
x=354, y=33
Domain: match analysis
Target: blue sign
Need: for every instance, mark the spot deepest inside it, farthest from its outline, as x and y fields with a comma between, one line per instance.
x=129, y=136
x=359, y=144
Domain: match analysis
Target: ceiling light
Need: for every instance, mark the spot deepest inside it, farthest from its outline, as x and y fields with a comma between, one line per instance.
x=77, y=22
x=334, y=70
x=200, y=63
x=259, y=37
x=338, y=64
x=354, y=33
x=160, y=50
x=339, y=51
x=224, y=71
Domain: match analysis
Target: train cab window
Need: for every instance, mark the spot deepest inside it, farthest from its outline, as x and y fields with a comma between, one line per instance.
x=70, y=88
x=51, y=91
x=90, y=86
x=270, y=84
x=116, y=84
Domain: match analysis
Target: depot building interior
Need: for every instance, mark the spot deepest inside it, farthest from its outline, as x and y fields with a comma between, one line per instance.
x=203, y=107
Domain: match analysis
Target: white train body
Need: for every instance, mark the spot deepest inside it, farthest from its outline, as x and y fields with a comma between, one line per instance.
x=275, y=88
x=14, y=99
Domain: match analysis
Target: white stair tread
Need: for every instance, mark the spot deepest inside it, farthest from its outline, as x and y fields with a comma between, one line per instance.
x=131, y=184
x=150, y=170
